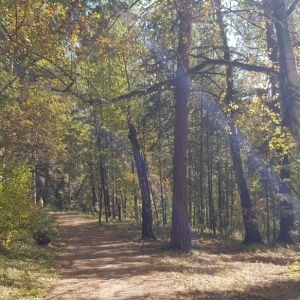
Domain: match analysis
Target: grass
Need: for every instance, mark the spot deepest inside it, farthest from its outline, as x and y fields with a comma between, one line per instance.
x=25, y=271
x=222, y=268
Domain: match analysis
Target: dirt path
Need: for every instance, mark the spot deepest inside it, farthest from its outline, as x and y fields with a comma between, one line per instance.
x=109, y=262
x=96, y=264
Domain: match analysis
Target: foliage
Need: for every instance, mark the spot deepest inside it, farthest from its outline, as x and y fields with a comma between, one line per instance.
x=43, y=224
x=66, y=69
x=16, y=205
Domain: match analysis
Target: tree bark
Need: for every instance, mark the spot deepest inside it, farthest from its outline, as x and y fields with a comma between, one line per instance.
x=289, y=88
x=289, y=84
x=180, y=233
x=252, y=234
x=147, y=220
x=287, y=215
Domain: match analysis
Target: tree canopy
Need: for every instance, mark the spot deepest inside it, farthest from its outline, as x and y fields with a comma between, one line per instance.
x=190, y=106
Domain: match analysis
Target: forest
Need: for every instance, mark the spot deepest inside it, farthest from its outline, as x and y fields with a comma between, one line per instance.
x=180, y=114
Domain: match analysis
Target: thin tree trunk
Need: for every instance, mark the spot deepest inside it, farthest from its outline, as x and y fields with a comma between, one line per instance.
x=211, y=208
x=220, y=198
x=201, y=204
x=162, y=199
x=93, y=189
x=147, y=220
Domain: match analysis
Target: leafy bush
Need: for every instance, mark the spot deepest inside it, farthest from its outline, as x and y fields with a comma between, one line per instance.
x=43, y=227
x=16, y=206
x=20, y=218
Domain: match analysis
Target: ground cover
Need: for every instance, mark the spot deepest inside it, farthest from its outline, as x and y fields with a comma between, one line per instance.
x=111, y=262
x=25, y=271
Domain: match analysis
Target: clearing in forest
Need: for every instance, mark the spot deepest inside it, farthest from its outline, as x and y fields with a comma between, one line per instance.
x=110, y=262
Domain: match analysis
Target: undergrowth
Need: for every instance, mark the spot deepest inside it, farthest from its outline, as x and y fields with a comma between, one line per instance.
x=25, y=267
x=25, y=270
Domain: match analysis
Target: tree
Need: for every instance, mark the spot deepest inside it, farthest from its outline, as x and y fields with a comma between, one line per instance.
x=180, y=234
x=252, y=234
x=147, y=231
x=289, y=87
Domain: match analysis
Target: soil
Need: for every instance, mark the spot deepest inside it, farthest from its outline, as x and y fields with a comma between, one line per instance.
x=110, y=262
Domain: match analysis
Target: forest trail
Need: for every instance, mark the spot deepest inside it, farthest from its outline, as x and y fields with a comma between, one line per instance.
x=96, y=264
x=110, y=262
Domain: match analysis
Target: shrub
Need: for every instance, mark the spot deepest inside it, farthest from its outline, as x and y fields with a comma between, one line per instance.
x=43, y=227
x=16, y=206
x=20, y=219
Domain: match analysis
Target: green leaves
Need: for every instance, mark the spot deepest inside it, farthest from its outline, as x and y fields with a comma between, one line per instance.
x=15, y=202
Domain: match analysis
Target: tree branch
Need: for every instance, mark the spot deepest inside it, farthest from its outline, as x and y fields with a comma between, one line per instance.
x=161, y=86
x=292, y=7
x=237, y=64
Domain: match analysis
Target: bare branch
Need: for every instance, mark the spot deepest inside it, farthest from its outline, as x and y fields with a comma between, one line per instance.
x=161, y=86
x=292, y=7
x=66, y=89
x=237, y=64
x=8, y=84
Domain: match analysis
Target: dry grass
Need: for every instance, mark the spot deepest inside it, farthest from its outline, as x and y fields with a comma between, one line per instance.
x=219, y=268
x=112, y=262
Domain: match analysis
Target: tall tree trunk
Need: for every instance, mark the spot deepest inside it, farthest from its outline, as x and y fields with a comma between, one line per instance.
x=220, y=197
x=211, y=205
x=252, y=234
x=289, y=87
x=147, y=220
x=289, y=84
x=180, y=233
x=201, y=200
x=272, y=51
x=162, y=198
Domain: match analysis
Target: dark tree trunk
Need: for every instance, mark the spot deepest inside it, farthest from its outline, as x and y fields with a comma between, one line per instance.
x=289, y=84
x=93, y=190
x=252, y=234
x=162, y=198
x=287, y=215
x=211, y=206
x=147, y=231
x=220, y=198
x=135, y=199
x=180, y=233
x=104, y=191
x=289, y=87
x=201, y=175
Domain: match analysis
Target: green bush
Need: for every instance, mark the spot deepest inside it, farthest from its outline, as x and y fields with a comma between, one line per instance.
x=20, y=219
x=16, y=206
x=43, y=227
